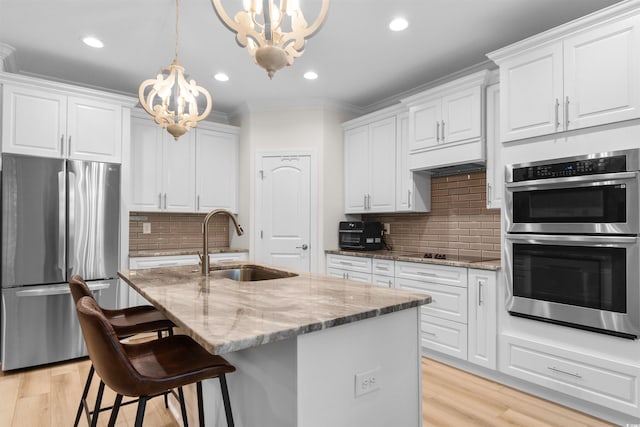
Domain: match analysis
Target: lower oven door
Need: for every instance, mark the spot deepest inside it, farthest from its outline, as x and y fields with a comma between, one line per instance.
x=589, y=282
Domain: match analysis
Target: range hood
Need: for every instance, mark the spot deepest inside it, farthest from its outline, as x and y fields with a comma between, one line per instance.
x=456, y=169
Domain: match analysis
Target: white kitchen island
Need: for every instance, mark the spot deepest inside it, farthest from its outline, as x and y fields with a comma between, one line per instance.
x=310, y=350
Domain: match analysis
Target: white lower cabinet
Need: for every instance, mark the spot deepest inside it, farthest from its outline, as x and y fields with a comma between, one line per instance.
x=349, y=267
x=600, y=380
x=444, y=335
x=383, y=272
x=482, y=318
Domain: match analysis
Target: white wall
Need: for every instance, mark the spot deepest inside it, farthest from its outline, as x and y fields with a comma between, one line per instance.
x=314, y=129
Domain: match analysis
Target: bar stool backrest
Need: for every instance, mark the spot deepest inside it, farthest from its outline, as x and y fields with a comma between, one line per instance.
x=79, y=288
x=105, y=350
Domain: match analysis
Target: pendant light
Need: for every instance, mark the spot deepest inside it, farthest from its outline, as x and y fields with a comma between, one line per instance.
x=171, y=99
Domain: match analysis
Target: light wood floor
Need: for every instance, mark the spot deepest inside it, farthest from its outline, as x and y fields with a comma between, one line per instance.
x=48, y=396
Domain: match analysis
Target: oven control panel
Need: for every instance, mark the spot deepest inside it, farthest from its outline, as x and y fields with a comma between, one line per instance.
x=571, y=168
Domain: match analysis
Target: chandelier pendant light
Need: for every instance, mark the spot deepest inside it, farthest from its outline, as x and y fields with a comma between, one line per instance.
x=171, y=99
x=261, y=28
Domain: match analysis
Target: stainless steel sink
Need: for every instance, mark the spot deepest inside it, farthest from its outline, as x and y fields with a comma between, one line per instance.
x=250, y=273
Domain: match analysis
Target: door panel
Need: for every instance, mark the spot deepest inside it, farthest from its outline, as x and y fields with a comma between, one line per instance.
x=33, y=220
x=285, y=202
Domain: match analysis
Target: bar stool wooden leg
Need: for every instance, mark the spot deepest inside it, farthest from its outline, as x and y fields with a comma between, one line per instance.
x=96, y=408
x=83, y=400
x=142, y=403
x=225, y=399
x=115, y=410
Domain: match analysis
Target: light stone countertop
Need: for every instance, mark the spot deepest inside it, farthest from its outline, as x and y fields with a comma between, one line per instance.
x=482, y=264
x=225, y=315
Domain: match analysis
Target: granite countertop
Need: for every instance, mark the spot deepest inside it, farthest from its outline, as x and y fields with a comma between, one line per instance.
x=225, y=315
x=176, y=252
x=470, y=262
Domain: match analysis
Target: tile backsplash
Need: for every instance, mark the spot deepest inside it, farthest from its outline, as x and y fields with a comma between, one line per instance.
x=459, y=223
x=178, y=231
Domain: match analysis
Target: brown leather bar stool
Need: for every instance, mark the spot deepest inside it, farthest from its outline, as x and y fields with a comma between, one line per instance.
x=126, y=322
x=150, y=368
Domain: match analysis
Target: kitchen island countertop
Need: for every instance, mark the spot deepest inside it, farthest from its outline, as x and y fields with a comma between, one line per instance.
x=225, y=315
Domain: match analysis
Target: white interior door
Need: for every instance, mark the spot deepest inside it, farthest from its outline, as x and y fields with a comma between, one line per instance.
x=284, y=212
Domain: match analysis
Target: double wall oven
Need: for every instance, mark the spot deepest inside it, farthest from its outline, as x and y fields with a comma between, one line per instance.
x=572, y=254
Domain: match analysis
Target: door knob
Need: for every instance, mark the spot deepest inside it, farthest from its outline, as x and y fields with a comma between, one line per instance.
x=304, y=247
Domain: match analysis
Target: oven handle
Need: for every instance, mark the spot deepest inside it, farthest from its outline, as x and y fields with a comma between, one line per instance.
x=586, y=180
x=573, y=240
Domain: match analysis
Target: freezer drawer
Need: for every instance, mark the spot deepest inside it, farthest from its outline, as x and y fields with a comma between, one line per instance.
x=39, y=323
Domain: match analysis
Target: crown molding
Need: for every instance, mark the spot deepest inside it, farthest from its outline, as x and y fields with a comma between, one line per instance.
x=296, y=104
x=8, y=58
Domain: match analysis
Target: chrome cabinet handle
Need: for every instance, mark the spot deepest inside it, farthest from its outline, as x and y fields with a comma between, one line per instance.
x=159, y=200
x=304, y=247
x=165, y=200
x=488, y=193
x=480, y=296
x=566, y=114
x=442, y=139
x=437, y=131
x=69, y=147
x=557, y=113
x=433, y=334
x=62, y=145
x=560, y=371
x=408, y=198
x=198, y=202
x=364, y=201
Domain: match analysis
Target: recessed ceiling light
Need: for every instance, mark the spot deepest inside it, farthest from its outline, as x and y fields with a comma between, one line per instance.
x=310, y=75
x=221, y=77
x=93, y=42
x=398, y=24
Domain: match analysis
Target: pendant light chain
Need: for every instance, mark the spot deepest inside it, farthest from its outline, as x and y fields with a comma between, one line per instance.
x=177, y=14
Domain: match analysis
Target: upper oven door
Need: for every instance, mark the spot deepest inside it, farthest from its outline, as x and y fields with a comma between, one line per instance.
x=591, y=204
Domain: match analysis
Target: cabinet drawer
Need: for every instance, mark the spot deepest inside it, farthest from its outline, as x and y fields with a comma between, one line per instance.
x=162, y=261
x=442, y=274
x=351, y=263
x=384, y=267
x=444, y=336
x=447, y=302
x=591, y=378
x=228, y=256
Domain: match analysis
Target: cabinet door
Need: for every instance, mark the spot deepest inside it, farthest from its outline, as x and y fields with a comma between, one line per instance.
x=495, y=170
x=146, y=165
x=94, y=130
x=382, y=174
x=531, y=93
x=33, y=121
x=461, y=119
x=601, y=68
x=482, y=318
x=216, y=170
x=424, y=125
x=179, y=173
x=356, y=169
x=386, y=281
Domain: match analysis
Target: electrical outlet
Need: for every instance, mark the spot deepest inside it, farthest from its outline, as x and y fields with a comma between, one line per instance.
x=146, y=228
x=366, y=382
x=387, y=228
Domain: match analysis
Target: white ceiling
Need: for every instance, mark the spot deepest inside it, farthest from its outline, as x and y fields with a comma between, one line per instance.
x=360, y=62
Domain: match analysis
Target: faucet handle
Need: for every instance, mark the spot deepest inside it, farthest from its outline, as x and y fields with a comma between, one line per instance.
x=200, y=257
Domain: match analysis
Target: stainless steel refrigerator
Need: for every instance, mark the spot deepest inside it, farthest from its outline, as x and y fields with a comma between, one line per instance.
x=59, y=218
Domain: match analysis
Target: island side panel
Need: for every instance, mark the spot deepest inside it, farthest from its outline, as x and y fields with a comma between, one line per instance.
x=382, y=351
x=262, y=390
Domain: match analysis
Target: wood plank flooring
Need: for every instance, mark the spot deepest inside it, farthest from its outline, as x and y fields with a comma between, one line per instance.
x=49, y=396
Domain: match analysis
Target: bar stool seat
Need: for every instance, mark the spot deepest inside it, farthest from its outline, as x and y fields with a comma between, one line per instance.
x=150, y=368
x=126, y=323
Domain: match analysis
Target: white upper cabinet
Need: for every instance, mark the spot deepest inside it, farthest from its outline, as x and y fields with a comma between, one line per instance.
x=413, y=189
x=495, y=169
x=446, y=124
x=196, y=173
x=581, y=74
x=216, y=170
x=40, y=119
x=163, y=176
x=370, y=161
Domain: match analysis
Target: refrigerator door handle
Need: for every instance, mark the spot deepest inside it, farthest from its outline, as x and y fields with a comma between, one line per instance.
x=61, y=224
x=58, y=290
x=71, y=218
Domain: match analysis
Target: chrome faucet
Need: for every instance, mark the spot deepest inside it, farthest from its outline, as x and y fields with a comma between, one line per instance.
x=204, y=258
